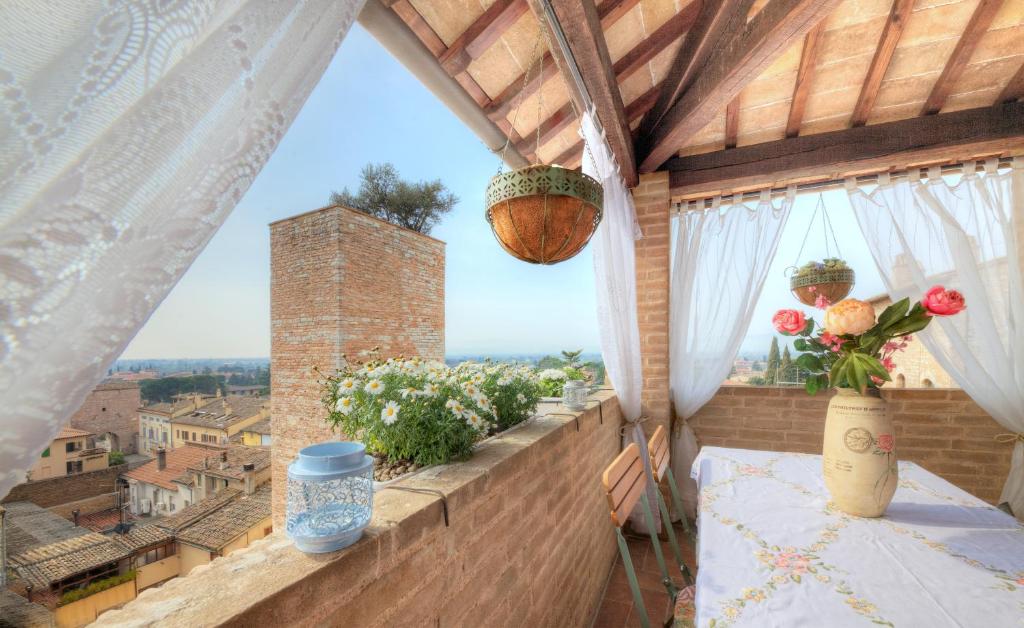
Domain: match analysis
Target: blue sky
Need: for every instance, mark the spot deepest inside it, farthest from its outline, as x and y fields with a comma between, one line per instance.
x=368, y=108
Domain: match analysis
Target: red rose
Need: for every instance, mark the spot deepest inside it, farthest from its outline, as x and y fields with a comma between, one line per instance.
x=789, y=321
x=941, y=302
x=885, y=442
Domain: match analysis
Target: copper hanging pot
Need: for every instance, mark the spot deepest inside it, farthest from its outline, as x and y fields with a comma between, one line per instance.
x=544, y=214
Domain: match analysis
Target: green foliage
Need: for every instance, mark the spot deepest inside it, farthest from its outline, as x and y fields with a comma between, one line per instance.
x=410, y=409
x=572, y=358
x=165, y=388
x=550, y=362
x=787, y=370
x=771, y=371
x=95, y=587
x=384, y=194
x=829, y=263
x=115, y=458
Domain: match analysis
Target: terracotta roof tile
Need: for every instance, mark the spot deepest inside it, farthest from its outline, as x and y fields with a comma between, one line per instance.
x=179, y=460
x=140, y=537
x=197, y=511
x=237, y=456
x=224, y=412
x=220, y=527
x=259, y=427
x=70, y=432
x=53, y=562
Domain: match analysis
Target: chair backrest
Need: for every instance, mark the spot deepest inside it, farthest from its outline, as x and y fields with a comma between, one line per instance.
x=624, y=482
x=657, y=447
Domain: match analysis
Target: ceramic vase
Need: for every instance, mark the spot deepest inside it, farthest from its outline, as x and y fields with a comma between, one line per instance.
x=859, y=453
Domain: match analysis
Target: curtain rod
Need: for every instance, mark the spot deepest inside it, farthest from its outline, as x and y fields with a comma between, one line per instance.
x=831, y=184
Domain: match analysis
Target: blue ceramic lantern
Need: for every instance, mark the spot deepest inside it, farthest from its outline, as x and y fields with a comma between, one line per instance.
x=330, y=496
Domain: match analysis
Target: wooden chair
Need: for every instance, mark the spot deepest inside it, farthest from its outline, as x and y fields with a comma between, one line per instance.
x=625, y=484
x=658, y=448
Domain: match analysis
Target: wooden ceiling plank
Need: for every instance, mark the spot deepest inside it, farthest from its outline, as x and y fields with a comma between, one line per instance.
x=581, y=27
x=481, y=34
x=419, y=26
x=887, y=43
x=732, y=122
x=516, y=91
x=712, y=20
x=673, y=28
x=551, y=127
x=980, y=20
x=960, y=135
x=1014, y=90
x=742, y=54
x=804, y=76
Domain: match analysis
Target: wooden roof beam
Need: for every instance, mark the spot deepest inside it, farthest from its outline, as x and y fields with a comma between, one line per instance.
x=481, y=34
x=732, y=122
x=581, y=27
x=976, y=27
x=739, y=57
x=572, y=156
x=610, y=12
x=712, y=20
x=945, y=137
x=804, y=76
x=632, y=61
x=887, y=42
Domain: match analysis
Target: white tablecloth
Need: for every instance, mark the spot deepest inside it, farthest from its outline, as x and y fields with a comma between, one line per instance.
x=773, y=552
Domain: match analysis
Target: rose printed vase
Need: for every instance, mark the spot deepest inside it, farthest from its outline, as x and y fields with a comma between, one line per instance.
x=859, y=453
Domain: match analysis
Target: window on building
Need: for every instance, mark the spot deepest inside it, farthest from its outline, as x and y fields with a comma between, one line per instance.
x=157, y=553
x=74, y=445
x=927, y=383
x=74, y=466
x=103, y=409
x=184, y=435
x=46, y=453
x=163, y=436
x=150, y=433
x=194, y=436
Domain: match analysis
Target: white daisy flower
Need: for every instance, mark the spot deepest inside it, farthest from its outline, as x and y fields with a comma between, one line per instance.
x=475, y=420
x=451, y=403
x=430, y=389
x=483, y=402
x=374, y=387
x=504, y=381
x=390, y=413
x=521, y=398
x=552, y=374
x=478, y=379
x=344, y=405
x=347, y=385
x=470, y=389
x=458, y=409
x=409, y=391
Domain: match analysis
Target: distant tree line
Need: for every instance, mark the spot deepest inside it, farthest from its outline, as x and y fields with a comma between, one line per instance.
x=571, y=359
x=165, y=388
x=779, y=368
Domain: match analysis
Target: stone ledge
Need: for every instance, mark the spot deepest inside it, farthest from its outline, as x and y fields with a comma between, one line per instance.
x=272, y=583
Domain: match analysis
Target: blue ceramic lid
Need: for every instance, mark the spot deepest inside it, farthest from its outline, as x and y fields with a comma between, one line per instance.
x=330, y=461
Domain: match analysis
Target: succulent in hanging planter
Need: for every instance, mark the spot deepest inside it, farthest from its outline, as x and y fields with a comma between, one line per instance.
x=823, y=283
x=544, y=214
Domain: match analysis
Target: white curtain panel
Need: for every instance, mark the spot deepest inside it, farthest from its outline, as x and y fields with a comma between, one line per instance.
x=129, y=129
x=615, y=281
x=966, y=236
x=721, y=260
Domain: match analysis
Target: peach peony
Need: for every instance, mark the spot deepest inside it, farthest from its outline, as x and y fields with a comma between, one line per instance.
x=941, y=302
x=849, y=316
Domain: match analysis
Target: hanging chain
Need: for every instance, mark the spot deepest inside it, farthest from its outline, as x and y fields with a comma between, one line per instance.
x=826, y=228
x=540, y=109
x=522, y=96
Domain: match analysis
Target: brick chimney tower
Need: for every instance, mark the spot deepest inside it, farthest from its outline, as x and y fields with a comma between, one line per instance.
x=161, y=459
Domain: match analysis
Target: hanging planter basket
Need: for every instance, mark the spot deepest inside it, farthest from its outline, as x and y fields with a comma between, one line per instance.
x=831, y=278
x=544, y=214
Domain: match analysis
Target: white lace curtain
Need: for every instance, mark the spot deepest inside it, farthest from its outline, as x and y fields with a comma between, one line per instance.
x=129, y=129
x=966, y=236
x=721, y=259
x=615, y=281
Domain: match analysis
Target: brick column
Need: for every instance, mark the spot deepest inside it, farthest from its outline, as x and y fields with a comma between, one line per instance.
x=651, y=198
x=342, y=282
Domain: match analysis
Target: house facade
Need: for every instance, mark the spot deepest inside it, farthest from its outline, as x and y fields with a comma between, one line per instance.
x=155, y=421
x=73, y=451
x=217, y=420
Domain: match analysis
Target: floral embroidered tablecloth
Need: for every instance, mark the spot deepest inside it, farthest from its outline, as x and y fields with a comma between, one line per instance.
x=772, y=551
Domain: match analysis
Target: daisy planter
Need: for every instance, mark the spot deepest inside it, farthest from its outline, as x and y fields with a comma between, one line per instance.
x=330, y=496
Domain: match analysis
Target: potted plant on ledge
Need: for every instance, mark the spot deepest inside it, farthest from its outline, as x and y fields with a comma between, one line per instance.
x=854, y=353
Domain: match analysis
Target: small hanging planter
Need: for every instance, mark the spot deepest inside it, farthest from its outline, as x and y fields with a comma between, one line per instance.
x=544, y=214
x=830, y=278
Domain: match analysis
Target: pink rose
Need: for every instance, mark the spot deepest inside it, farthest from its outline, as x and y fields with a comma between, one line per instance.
x=789, y=321
x=888, y=364
x=885, y=442
x=877, y=381
x=822, y=302
x=941, y=302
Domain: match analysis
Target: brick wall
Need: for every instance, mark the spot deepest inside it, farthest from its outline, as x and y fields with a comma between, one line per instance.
x=942, y=430
x=61, y=490
x=342, y=282
x=113, y=408
x=529, y=544
x=651, y=198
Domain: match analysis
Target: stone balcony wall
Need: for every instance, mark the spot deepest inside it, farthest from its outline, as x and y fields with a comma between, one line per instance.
x=942, y=430
x=529, y=543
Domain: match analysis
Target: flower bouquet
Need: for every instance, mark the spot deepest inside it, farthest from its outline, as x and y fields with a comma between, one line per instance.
x=853, y=349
